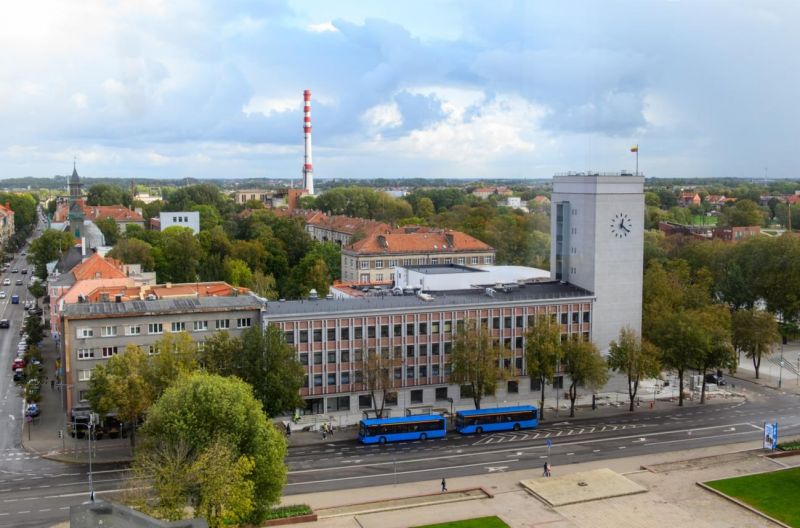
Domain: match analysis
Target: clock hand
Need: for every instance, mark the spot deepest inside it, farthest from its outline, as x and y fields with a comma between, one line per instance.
x=625, y=228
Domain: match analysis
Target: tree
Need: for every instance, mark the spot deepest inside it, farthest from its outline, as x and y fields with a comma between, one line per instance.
x=202, y=409
x=542, y=352
x=237, y=273
x=755, y=332
x=585, y=367
x=134, y=251
x=167, y=469
x=265, y=286
x=220, y=354
x=425, y=208
x=270, y=365
x=742, y=213
x=681, y=340
x=105, y=194
x=718, y=352
x=634, y=357
x=476, y=360
x=47, y=248
x=377, y=377
x=175, y=356
x=224, y=493
x=123, y=381
x=182, y=254
x=110, y=229
x=37, y=290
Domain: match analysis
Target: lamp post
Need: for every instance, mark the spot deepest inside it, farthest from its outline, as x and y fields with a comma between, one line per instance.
x=780, y=372
x=90, y=429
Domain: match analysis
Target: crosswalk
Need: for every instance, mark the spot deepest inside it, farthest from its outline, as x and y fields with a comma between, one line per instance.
x=544, y=433
x=13, y=456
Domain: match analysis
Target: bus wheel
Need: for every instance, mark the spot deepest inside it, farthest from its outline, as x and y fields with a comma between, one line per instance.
x=479, y=430
x=423, y=437
x=516, y=427
x=382, y=440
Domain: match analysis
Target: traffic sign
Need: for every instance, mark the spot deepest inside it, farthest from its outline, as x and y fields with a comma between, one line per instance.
x=549, y=443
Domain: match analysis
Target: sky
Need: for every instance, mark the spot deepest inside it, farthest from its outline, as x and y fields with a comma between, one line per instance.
x=428, y=89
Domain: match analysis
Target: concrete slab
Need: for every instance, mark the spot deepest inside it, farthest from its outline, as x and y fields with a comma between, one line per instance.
x=580, y=487
x=403, y=503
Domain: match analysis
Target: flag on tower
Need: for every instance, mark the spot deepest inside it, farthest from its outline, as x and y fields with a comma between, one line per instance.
x=635, y=148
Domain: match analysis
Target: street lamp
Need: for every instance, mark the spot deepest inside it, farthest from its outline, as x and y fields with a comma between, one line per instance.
x=780, y=372
x=90, y=430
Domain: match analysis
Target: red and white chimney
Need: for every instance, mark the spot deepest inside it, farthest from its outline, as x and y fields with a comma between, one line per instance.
x=308, y=168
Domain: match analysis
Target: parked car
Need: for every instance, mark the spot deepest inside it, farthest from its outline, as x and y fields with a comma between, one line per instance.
x=14, y=270
x=716, y=379
x=19, y=374
x=19, y=282
x=32, y=410
x=6, y=282
x=35, y=310
x=24, y=271
x=2, y=294
x=18, y=363
x=4, y=323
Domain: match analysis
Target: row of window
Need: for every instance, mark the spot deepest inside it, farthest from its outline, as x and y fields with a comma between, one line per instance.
x=344, y=378
x=364, y=264
x=108, y=351
x=158, y=328
x=396, y=330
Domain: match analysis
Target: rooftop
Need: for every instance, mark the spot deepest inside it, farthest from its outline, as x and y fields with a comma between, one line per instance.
x=441, y=269
x=465, y=299
x=182, y=305
x=406, y=241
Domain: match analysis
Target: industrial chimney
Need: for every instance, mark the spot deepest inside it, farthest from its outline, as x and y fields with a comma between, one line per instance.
x=308, y=169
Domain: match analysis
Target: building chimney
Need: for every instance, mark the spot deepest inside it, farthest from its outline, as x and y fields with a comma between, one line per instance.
x=83, y=246
x=308, y=167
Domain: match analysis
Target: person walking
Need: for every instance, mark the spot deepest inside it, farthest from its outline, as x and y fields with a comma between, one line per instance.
x=52, y=384
x=324, y=432
x=444, y=485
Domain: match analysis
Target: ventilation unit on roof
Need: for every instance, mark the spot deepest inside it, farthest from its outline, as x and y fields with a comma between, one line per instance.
x=313, y=295
x=151, y=297
x=425, y=297
x=489, y=292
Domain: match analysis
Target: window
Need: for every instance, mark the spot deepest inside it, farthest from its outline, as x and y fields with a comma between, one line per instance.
x=318, y=358
x=318, y=380
x=364, y=264
x=391, y=398
x=244, y=322
x=339, y=403
x=507, y=322
x=289, y=337
x=518, y=342
x=536, y=384
x=585, y=317
x=434, y=261
x=518, y=363
x=359, y=376
x=222, y=324
x=423, y=371
x=317, y=335
x=406, y=262
x=155, y=328
x=448, y=347
x=448, y=327
x=564, y=318
x=364, y=401
x=85, y=353
x=434, y=370
x=304, y=336
x=435, y=349
x=304, y=358
x=345, y=378
x=513, y=387
x=371, y=332
x=345, y=356
x=358, y=355
x=200, y=326
x=359, y=332
x=448, y=261
x=398, y=373
x=575, y=317
x=345, y=333
x=474, y=260
x=520, y=320
x=83, y=395
x=398, y=330
x=384, y=330
x=109, y=351
x=83, y=333
x=331, y=357
x=133, y=330
x=423, y=350
x=441, y=393
x=423, y=329
x=84, y=375
x=410, y=329
x=416, y=396
x=410, y=351
x=178, y=326
x=558, y=382
x=496, y=323
x=332, y=379
x=378, y=264
x=461, y=261
x=487, y=260
x=201, y=345
x=151, y=349
x=398, y=352
x=392, y=263
x=410, y=373
x=379, y=277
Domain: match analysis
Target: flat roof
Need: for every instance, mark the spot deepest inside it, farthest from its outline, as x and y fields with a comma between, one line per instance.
x=442, y=269
x=181, y=305
x=460, y=299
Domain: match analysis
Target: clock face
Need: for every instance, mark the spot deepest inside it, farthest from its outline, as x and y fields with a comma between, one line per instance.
x=621, y=225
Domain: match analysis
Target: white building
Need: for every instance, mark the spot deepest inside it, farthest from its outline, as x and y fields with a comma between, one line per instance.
x=597, y=243
x=449, y=277
x=190, y=219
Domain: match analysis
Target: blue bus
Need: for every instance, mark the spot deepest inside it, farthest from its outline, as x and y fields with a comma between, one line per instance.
x=499, y=419
x=419, y=427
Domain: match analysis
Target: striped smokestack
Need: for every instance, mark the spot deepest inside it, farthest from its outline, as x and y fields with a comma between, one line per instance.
x=308, y=168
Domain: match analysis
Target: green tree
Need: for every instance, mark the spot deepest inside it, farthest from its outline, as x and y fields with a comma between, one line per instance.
x=209, y=216
x=182, y=255
x=265, y=286
x=311, y=272
x=134, y=251
x=237, y=272
x=718, y=352
x=37, y=290
x=166, y=468
x=754, y=332
x=585, y=367
x=202, y=409
x=425, y=207
x=542, y=352
x=634, y=357
x=682, y=340
x=742, y=213
x=123, y=381
x=175, y=356
x=225, y=495
x=105, y=194
x=376, y=374
x=220, y=354
x=110, y=229
x=476, y=361
x=47, y=248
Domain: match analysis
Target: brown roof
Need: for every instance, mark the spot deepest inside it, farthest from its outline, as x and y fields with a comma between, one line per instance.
x=97, y=267
x=423, y=241
x=344, y=224
x=119, y=213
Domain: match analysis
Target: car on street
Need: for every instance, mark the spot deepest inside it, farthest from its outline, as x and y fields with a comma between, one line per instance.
x=2, y=295
x=6, y=282
x=24, y=271
x=32, y=410
x=4, y=323
x=14, y=270
x=716, y=379
x=18, y=363
x=19, y=374
x=19, y=282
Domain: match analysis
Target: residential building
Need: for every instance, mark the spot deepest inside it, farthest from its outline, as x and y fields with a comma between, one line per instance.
x=190, y=219
x=515, y=202
x=689, y=198
x=105, y=321
x=6, y=223
x=699, y=232
x=339, y=228
x=735, y=234
x=373, y=258
x=485, y=192
x=413, y=334
x=597, y=243
x=121, y=215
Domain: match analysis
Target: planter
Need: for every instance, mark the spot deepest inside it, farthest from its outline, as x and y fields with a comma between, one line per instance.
x=782, y=454
x=311, y=517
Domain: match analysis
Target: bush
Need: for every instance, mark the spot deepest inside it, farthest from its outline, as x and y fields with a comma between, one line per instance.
x=789, y=446
x=293, y=510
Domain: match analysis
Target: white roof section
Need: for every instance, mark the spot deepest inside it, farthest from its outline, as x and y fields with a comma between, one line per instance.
x=449, y=277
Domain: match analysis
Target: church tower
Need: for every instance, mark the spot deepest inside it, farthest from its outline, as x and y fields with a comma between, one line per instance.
x=75, y=206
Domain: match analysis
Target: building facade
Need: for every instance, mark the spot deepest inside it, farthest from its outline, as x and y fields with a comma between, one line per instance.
x=97, y=328
x=373, y=259
x=597, y=243
x=190, y=219
x=6, y=223
x=413, y=335
x=339, y=228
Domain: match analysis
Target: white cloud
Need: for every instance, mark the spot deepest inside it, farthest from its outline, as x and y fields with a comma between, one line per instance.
x=80, y=100
x=271, y=105
x=383, y=116
x=322, y=27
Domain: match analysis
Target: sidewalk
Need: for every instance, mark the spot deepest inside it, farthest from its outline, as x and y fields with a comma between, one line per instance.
x=671, y=495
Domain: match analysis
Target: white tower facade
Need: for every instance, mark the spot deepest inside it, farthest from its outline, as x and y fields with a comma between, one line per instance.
x=308, y=166
x=597, y=243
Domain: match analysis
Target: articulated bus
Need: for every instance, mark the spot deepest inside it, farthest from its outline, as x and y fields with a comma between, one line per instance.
x=419, y=427
x=499, y=419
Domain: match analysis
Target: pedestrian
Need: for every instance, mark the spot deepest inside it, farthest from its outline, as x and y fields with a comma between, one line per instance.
x=330, y=430
x=324, y=432
x=52, y=384
x=288, y=429
x=549, y=468
x=444, y=485
x=544, y=470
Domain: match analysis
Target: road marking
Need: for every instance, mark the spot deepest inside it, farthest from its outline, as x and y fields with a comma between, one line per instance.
x=402, y=472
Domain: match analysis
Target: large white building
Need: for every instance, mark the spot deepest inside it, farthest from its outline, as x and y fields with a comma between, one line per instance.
x=190, y=219
x=597, y=243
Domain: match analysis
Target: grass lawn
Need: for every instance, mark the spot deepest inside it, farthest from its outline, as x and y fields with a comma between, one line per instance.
x=480, y=522
x=773, y=493
x=704, y=220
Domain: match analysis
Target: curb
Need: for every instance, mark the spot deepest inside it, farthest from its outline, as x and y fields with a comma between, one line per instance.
x=742, y=504
x=485, y=495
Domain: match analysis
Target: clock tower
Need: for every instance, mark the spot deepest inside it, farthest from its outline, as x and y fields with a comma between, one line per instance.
x=597, y=243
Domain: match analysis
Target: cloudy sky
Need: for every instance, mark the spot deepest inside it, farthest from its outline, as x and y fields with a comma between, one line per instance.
x=176, y=88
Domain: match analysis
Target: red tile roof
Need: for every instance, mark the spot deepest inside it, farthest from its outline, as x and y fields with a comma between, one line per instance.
x=119, y=213
x=423, y=241
x=344, y=224
x=97, y=267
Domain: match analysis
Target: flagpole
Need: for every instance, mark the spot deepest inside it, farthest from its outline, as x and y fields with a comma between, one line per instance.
x=637, y=160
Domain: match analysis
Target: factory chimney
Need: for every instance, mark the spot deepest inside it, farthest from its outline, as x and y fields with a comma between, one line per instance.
x=308, y=169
